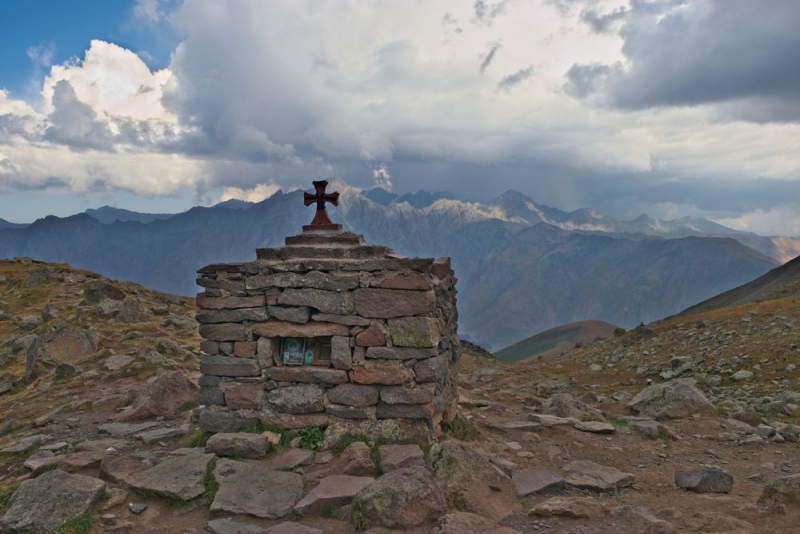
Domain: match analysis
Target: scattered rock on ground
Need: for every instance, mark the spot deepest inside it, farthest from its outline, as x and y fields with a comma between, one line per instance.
x=334, y=491
x=534, y=480
x=398, y=456
x=781, y=495
x=466, y=523
x=357, y=461
x=251, y=489
x=163, y=397
x=579, y=507
x=704, y=480
x=676, y=399
x=179, y=477
x=238, y=444
x=585, y=475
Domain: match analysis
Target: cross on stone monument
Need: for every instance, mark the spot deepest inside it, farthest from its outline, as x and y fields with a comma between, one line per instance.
x=321, y=220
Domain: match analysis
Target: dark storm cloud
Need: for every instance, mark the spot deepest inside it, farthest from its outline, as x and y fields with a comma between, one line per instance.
x=704, y=52
x=514, y=79
x=493, y=48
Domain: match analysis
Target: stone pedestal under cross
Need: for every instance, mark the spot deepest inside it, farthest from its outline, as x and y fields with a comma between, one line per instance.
x=321, y=220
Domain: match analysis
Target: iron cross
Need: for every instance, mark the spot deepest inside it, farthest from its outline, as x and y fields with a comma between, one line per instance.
x=321, y=220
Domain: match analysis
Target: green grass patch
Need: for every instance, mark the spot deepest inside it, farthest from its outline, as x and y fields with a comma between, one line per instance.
x=357, y=518
x=311, y=438
x=461, y=428
x=210, y=484
x=257, y=428
x=77, y=525
x=188, y=405
x=330, y=512
x=6, y=493
x=198, y=439
x=346, y=441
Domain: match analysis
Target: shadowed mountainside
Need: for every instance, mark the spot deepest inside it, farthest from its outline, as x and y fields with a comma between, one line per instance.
x=557, y=340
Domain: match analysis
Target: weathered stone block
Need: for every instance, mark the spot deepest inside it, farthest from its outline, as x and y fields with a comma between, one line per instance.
x=354, y=395
x=244, y=349
x=232, y=316
x=405, y=411
x=266, y=350
x=227, y=285
x=313, y=329
x=243, y=395
x=432, y=369
x=288, y=421
x=341, y=353
x=302, y=399
x=401, y=280
x=381, y=372
x=441, y=268
x=307, y=374
x=371, y=337
x=421, y=394
x=210, y=303
x=399, y=353
x=208, y=381
x=238, y=444
x=292, y=314
x=212, y=396
x=224, y=366
x=209, y=347
x=223, y=421
x=350, y=412
x=314, y=279
x=349, y=320
x=223, y=332
x=389, y=303
x=324, y=301
x=414, y=332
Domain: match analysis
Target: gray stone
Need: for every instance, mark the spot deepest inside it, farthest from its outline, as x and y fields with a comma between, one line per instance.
x=566, y=406
x=393, y=457
x=44, y=503
x=101, y=290
x=232, y=316
x=470, y=482
x=704, y=480
x=535, y=480
x=25, y=443
x=381, y=372
x=313, y=279
x=238, y=444
x=577, y=507
x=403, y=499
x=595, y=427
x=466, y=523
x=225, y=366
x=285, y=329
x=227, y=526
x=781, y=495
x=357, y=460
x=246, y=488
x=765, y=431
x=354, y=395
x=390, y=303
x=308, y=374
x=504, y=465
x=644, y=425
x=421, y=394
x=137, y=507
x=431, y=370
x=738, y=376
x=221, y=421
x=293, y=528
x=675, y=399
x=333, y=491
x=349, y=412
x=149, y=436
x=292, y=314
x=178, y=477
x=291, y=459
x=551, y=420
x=42, y=459
x=5, y=387
x=211, y=303
x=585, y=475
x=223, y=332
x=349, y=320
x=414, y=331
x=211, y=396
x=341, y=353
x=325, y=301
x=117, y=361
x=300, y=399
x=399, y=353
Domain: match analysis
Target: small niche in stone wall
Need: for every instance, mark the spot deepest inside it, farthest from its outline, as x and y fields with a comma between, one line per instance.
x=305, y=351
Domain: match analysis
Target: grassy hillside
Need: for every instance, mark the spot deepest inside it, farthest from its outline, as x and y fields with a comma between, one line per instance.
x=557, y=340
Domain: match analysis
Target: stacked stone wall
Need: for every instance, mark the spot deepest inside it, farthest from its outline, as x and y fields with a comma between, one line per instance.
x=391, y=323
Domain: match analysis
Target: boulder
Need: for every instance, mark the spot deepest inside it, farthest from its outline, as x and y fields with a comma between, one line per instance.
x=101, y=290
x=394, y=457
x=356, y=460
x=535, y=480
x=44, y=503
x=163, y=397
x=704, y=480
x=403, y=499
x=585, y=475
x=179, y=477
x=565, y=405
x=60, y=343
x=471, y=483
x=781, y=495
x=675, y=399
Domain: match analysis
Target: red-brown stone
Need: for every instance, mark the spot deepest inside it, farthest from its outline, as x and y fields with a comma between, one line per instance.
x=238, y=396
x=245, y=349
x=389, y=303
x=381, y=372
x=402, y=280
x=210, y=303
x=371, y=337
x=312, y=329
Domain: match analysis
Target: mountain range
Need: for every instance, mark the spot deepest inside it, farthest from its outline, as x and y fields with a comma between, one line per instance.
x=522, y=267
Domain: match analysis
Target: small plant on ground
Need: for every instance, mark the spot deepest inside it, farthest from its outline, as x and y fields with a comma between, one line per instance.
x=6, y=493
x=210, y=484
x=188, y=405
x=311, y=438
x=357, y=518
x=346, y=441
x=257, y=428
x=78, y=525
x=199, y=439
x=330, y=512
x=461, y=428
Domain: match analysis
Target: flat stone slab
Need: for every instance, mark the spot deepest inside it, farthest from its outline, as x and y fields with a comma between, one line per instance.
x=595, y=427
x=582, y=474
x=179, y=477
x=522, y=426
x=551, y=420
x=240, y=444
x=293, y=528
x=399, y=456
x=704, y=480
x=578, y=507
x=122, y=469
x=332, y=492
x=121, y=430
x=37, y=464
x=149, y=436
x=226, y=526
x=644, y=425
x=43, y=503
x=290, y=459
x=247, y=488
x=535, y=480
x=26, y=443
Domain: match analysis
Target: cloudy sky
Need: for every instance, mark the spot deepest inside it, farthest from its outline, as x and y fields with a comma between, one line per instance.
x=668, y=107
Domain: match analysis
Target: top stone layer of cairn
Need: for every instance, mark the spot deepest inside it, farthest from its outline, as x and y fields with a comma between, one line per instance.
x=333, y=244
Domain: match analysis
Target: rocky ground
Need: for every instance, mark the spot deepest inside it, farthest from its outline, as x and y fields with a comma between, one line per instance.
x=685, y=425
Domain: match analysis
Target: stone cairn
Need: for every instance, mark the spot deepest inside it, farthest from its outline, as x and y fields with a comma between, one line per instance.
x=328, y=329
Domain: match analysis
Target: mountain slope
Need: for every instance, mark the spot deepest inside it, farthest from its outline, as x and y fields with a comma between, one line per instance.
x=783, y=281
x=108, y=215
x=5, y=224
x=557, y=340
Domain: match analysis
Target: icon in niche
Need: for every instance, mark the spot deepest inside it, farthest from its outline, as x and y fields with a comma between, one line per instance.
x=309, y=357
x=292, y=350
